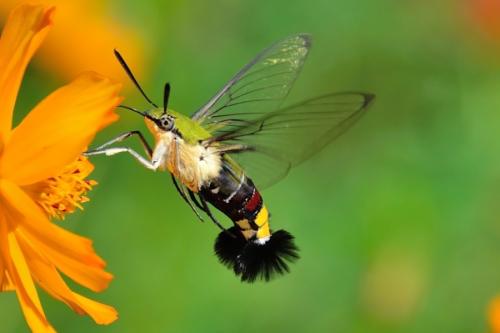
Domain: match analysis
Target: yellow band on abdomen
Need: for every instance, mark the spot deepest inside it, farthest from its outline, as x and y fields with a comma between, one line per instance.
x=262, y=222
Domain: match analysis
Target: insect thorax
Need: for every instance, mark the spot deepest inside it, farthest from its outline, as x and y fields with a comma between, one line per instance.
x=193, y=164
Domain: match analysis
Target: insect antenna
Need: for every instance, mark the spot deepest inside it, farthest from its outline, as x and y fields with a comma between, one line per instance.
x=144, y=114
x=131, y=109
x=132, y=77
x=166, y=95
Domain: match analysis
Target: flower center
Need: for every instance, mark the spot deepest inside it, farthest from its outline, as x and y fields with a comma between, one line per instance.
x=64, y=193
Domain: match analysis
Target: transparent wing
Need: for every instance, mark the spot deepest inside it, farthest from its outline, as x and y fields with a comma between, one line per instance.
x=269, y=146
x=257, y=88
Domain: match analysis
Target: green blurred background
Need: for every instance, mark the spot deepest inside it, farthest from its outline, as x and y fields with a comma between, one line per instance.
x=397, y=221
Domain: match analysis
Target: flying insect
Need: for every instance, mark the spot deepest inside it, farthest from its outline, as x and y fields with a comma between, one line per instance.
x=240, y=142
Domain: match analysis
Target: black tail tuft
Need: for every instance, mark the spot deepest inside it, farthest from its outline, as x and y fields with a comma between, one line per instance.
x=252, y=260
x=264, y=261
x=229, y=245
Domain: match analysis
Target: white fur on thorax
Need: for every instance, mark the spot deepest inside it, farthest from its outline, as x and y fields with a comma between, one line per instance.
x=194, y=165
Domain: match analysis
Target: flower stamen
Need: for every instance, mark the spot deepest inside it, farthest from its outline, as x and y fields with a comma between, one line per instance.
x=66, y=192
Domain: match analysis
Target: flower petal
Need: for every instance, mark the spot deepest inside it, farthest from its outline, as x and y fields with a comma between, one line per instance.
x=49, y=279
x=5, y=283
x=59, y=129
x=5, y=280
x=25, y=288
x=494, y=315
x=101, y=313
x=70, y=253
x=87, y=45
x=23, y=33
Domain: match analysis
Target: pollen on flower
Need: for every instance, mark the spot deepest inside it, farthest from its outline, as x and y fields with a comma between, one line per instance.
x=66, y=192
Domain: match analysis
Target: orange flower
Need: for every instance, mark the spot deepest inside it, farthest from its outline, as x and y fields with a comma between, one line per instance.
x=84, y=39
x=494, y=315
x=486, y=13
x=42, y=175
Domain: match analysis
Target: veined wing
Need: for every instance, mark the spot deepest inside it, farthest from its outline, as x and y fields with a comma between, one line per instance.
x=269, y=146
x=259, y=87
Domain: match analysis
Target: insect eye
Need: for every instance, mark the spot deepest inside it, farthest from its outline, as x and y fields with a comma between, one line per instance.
x=166, y=123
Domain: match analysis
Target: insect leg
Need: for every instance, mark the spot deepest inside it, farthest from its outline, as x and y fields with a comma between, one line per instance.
x=124, y=136
x=193, y=198
x=183, y=195
x=103, y=149
x=233, y=149
x=116, y=150
x=209, y=213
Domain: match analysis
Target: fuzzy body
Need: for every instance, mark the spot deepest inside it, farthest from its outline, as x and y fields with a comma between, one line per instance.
x=193, y=164
x=181, y=154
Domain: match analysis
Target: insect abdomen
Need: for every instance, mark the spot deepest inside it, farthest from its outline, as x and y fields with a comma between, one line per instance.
x=249, y=247
x=239, y=199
